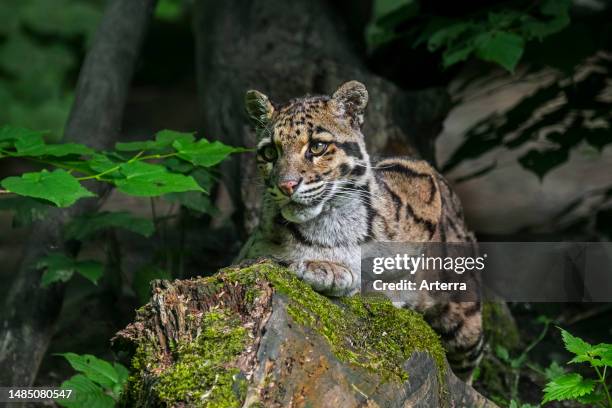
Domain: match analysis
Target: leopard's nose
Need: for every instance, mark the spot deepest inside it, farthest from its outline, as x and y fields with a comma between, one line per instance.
x=288, y=186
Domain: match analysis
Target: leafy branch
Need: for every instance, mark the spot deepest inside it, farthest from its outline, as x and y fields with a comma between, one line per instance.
x=135, y=168
x=174, y=165
x=497, y=34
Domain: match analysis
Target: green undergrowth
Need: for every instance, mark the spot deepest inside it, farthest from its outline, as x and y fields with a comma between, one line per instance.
x=369, y=333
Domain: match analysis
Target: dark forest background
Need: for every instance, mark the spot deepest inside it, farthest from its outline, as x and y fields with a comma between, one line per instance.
x=509, y=99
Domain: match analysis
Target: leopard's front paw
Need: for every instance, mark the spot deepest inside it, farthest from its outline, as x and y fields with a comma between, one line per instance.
x=329, y=278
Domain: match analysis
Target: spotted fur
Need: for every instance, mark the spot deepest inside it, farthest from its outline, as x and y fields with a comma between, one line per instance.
x=321, y=205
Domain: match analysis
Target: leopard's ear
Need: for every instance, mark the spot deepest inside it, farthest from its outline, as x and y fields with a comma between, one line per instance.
x=351, y=98
x=259, y=108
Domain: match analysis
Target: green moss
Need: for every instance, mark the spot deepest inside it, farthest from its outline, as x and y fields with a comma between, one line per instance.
x=199, y=376
x=144, y=356
x=368, y=332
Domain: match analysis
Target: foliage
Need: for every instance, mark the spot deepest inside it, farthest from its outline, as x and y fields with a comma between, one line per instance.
x=496, y=34
x=580, y=115
x=60, y=268
x=99, y=384
x=58, y=186
x=174, y=166
x=41, y=44
x=138, y=174
x=545, y=128
x=573, y=386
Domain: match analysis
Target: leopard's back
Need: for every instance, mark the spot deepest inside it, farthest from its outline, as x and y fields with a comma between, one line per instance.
x=416, y=204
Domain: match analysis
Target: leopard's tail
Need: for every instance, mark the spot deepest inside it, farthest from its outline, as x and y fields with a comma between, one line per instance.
x=459, y=325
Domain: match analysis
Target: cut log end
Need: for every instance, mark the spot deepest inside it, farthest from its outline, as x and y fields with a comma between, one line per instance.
x=258, y=336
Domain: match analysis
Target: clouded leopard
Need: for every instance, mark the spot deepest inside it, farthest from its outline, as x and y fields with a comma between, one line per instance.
x=325, y=198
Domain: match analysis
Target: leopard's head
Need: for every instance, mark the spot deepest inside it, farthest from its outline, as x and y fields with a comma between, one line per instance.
x=311, y=150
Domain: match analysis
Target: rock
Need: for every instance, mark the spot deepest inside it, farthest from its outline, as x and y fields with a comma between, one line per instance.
x=257, y=336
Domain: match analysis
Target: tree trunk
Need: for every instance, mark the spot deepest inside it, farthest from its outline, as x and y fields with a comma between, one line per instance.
x=30, y=312
x=288, y=49
x=259, y=337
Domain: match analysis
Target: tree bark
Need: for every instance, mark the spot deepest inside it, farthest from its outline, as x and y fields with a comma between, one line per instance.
x=288, y=49
x=258, y=337
x=30, y=312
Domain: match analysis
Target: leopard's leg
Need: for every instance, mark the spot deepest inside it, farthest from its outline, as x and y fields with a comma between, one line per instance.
x=329, y=278
x=459, y=325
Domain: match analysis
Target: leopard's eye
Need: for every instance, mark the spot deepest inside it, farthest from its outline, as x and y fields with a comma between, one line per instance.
x=317, y=148
x=269, y=153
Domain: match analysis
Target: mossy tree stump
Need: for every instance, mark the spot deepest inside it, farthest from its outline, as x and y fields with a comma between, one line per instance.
x=258, y=337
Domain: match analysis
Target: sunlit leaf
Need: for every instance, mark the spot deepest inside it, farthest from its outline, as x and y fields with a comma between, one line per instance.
x=58, y=187
x=100, y=371
x=36, y=146
x=85, y=393
x=575, y=344
x=204, y=153
x=150, y=180
x=567, y=386
x=603, y=351
x=101, y=163
x=13, y=133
